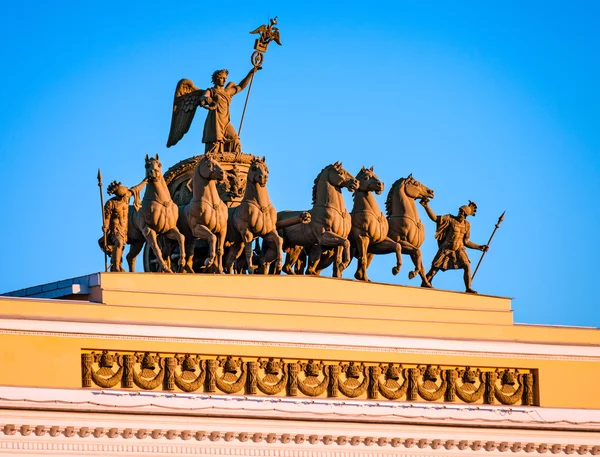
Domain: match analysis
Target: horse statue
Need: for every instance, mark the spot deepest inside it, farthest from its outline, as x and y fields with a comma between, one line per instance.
x=254, y=217
x=369, y=234
x=157, y=216
x=328, y=228
x=205, y=216
x=406, y=227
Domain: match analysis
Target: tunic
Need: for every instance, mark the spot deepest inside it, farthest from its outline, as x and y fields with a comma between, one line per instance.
x=217, y=125
x=451, y=234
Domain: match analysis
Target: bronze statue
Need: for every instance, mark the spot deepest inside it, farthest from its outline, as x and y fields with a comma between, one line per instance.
x=405, y=224
x=369, y=232
x=157, y=216
x=452, y=233
x=116, y=218
x=205, y=216
x=266, y=34
x=254, y=217
x=219, y=135
x=329, y=226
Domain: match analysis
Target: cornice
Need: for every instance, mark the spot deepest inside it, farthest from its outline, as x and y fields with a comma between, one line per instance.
x=33, y=402
x=303, y=340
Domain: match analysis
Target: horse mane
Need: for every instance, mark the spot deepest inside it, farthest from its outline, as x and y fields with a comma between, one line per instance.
x=363, y=172
x=314, y=189
x=390, y=195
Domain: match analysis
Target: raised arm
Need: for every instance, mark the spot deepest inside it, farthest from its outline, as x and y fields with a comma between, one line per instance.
x=234, y=89
x=428, y=210
x=140, y=186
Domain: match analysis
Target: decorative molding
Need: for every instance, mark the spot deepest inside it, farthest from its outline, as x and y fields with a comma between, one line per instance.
x=303, y=340
x=310, y=378
x=169, y=440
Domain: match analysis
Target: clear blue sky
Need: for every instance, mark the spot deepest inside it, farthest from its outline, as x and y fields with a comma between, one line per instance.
x=497, y=102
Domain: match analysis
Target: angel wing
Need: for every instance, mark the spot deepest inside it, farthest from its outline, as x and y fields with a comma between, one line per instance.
x=185, y=102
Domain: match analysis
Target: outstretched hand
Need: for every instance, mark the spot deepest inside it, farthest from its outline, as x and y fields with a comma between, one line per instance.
x=484, y=248
x=424, y=201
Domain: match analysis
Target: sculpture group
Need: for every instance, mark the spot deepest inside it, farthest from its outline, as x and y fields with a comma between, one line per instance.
x=211, y=230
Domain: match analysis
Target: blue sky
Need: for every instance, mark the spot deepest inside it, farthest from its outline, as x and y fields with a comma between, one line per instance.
x=497, y=102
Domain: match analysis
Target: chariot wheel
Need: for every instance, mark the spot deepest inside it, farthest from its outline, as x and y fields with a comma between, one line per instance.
x=151, y=262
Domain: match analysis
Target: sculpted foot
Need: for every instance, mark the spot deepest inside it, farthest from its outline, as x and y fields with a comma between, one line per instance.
x=396, y=270
x=412, y=274
x=470, y=291
x=208, y=262
x=426, y=284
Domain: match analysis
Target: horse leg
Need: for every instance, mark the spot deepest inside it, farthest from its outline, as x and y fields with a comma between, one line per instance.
x=314, y=257
x=430, y=276
x=417, y=259
x=291, y=258
x=202, y=232
x=362, y=246
x=333, y=239
x=220, y=251
x=150, y=236
x=389, y=246
x=300, y=263
x=175, y=235
x=247, y=238
x=134, y=250
x=274, y=245
x=235, y=250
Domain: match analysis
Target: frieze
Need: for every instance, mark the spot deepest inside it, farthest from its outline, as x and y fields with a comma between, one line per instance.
x=309, y=378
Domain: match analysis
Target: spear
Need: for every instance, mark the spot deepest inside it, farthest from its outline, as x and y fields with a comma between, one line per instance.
x=246, y=104
x=103, y=231
x=267, y=33
x=500, y=219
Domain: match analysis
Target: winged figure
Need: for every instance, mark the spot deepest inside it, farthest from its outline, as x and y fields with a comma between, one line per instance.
x=219, y=135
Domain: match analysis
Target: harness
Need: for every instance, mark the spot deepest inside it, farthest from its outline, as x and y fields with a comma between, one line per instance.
x=263, y=209
x=215, y=205
x=165, y=204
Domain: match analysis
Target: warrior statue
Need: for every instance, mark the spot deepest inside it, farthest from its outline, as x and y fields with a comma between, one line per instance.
x=116, y=212
x=219, y=135
x=452, y=233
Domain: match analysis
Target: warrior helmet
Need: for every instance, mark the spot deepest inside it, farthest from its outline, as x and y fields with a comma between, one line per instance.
x=469, y=209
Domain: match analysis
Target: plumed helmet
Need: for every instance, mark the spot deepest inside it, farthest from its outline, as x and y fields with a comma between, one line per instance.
x=469, y=209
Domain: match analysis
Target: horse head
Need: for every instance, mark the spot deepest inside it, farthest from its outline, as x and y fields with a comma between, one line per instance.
x=209, y=168
x=258, y=173
x=368, y=181
x=153, y=168
x=339, y=177
x=414, y=189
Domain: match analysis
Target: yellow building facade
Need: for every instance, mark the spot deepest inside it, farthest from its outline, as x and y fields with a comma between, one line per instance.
x=139, y=364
